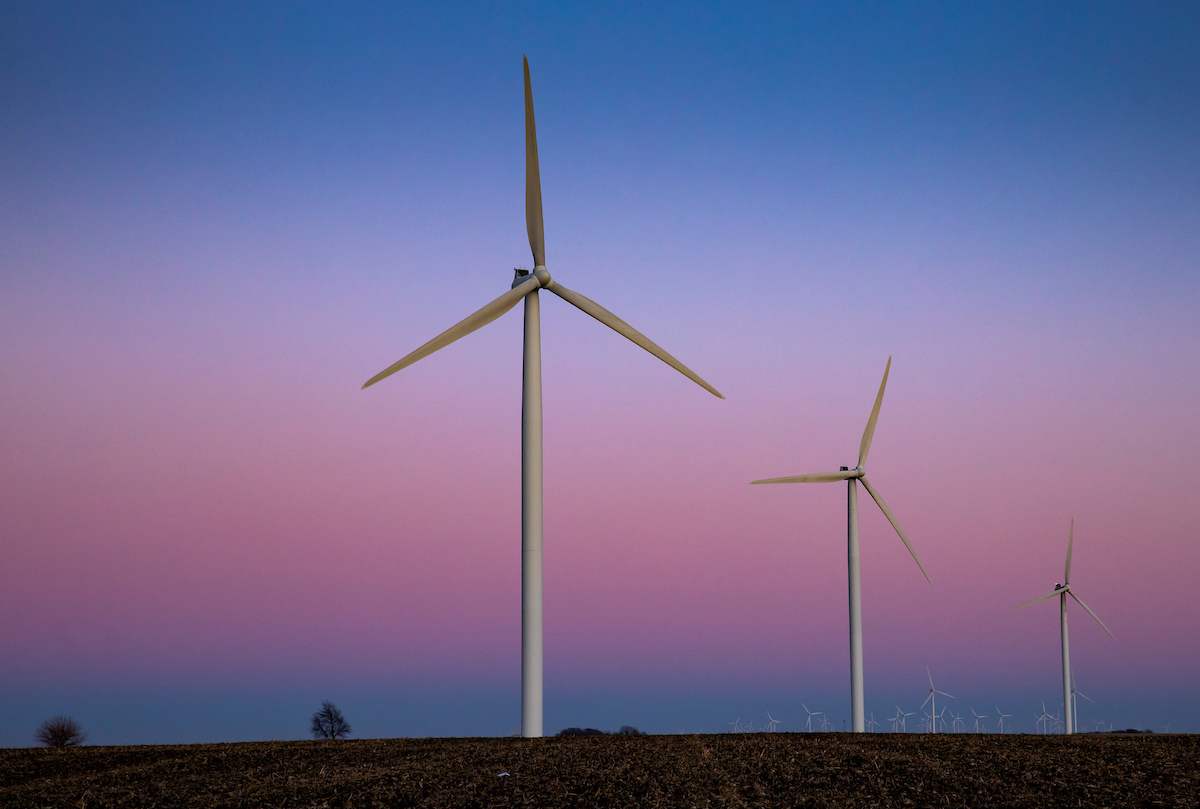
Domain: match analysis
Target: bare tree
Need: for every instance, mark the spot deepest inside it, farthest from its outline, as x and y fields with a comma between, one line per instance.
x=328, y=723
x=61, y=731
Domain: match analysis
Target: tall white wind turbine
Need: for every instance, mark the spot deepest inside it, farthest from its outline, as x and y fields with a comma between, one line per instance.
x=1062, y=591
x=525, y=287
x=851, y=476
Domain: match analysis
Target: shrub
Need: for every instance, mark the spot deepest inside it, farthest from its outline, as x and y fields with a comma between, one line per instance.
x=630, y=730
x=328, y=723
x=61, y=731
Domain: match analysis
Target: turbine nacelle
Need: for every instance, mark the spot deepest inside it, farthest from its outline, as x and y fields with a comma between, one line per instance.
x=539, y=274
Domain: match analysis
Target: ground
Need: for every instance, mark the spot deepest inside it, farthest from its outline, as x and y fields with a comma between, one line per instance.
x=742, y=769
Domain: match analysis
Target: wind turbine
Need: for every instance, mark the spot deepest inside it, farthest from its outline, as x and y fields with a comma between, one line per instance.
x=1062, y=591
x=871, y=723
x=525, y=287
x=977, y=716
x=852, y=551
x=932, y=698
x=1044, y=720
x=1003, y=716
x=811, y=714
x=1075, y=694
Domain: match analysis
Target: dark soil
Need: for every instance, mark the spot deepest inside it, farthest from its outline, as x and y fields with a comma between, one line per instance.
x=745, y=769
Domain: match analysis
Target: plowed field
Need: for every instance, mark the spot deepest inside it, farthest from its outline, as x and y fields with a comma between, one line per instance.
x=748, y=769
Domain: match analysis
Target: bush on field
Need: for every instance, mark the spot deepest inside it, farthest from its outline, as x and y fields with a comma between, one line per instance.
x=61, y=731
x=626, y=730
x=328, y=723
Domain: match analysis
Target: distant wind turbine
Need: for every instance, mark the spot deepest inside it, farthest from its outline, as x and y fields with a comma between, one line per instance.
x=1062, y=591
x=857, y=707
x=811, y=714
x=1043, y=719
x=1075, y=694
x=525, y=287
x=978, y=716
x=931, y=701
x=1003, y=716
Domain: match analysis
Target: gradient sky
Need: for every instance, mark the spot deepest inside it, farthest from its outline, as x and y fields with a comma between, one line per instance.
x=216, y=221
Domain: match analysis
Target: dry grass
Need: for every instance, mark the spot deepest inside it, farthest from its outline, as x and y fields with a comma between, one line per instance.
x=780, y=769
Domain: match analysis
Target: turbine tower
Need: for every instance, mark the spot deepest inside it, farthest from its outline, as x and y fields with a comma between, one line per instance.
x=851, y=476
x=525, y=287
x=1062, y=591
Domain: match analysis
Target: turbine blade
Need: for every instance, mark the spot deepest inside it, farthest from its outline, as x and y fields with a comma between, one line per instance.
x=1039, y=598
x=1089, y=612
x=944, y=694
x=923, y=704
x=823, y=477
x=869, y=433
x=887, y=512
x=481, y=318
x=930, y=676
x=621, y=327
x=1070, y=546
x=533, y=180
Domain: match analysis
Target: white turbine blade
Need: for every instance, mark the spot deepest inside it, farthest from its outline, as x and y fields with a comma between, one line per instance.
x=1039, y=598
x=944, y=694
x=822, y=477
x=1085, y=696
x=1070, y=545
x=869, y=433
x=930, y=676
x=478, y=320
x=533, y=180
x=621, y=327
x=1089, y=612
x=923, y=704
x=887, y=512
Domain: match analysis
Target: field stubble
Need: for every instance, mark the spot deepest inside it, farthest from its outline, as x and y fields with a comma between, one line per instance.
x=746, y=769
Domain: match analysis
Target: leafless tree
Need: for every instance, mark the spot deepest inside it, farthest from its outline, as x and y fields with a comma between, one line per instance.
x=61, y=731
x=328, y=723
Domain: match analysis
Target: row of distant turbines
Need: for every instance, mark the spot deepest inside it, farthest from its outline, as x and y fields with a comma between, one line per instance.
x=933, y=719
x=525, y=287
x=818, y=722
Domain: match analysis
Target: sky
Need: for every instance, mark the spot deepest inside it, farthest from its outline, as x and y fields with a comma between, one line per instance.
x=217, y=220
